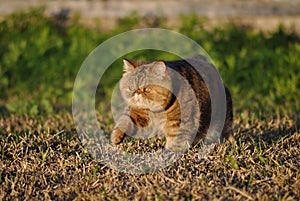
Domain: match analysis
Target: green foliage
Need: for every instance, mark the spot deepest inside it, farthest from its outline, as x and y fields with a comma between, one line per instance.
x=40, y=57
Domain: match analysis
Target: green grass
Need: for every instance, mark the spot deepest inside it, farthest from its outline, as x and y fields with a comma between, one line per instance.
x=40, y=57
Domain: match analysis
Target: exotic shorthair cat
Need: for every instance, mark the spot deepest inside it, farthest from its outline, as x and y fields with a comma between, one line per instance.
x=169, y=98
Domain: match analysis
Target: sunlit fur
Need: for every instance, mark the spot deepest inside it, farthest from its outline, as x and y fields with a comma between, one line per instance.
x=135, y=81
x=156, y=101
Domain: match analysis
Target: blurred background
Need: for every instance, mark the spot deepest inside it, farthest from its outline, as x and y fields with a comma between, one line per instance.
x=263, y=14
x=255, y=45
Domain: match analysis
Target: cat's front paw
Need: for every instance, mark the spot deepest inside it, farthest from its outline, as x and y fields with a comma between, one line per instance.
x=117, y=136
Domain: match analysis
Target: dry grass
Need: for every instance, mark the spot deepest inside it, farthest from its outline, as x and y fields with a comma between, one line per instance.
x=43, y=159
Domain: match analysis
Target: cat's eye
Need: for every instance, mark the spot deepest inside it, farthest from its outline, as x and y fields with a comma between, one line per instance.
x=131, y=88
x=147, y=89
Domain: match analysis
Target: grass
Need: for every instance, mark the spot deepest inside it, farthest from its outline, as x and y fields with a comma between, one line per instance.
x=40, y=58
x=42, y=157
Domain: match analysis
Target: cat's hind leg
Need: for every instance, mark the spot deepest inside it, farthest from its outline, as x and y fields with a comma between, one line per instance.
x=227, y=133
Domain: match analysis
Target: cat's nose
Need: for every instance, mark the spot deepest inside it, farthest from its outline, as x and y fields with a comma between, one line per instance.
x=138, y=91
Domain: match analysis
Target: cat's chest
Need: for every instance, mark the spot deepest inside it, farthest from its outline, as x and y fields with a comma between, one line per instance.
x=158, y=120
x=155, y=126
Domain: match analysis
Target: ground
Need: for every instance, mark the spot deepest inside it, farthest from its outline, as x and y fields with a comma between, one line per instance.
x=42, y=158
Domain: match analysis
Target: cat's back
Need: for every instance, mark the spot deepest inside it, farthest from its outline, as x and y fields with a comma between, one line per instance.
x=187, y=69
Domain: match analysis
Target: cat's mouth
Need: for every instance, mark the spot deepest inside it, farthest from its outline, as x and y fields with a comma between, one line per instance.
x=142, y=103
x=138, y=97
x=137, y=100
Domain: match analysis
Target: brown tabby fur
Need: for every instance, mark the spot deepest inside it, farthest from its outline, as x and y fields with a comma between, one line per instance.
x=170, y=116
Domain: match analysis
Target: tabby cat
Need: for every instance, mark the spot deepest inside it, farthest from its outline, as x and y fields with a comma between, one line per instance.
x=169, y=98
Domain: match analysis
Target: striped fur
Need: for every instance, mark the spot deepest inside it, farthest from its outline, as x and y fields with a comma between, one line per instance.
x=170, y=97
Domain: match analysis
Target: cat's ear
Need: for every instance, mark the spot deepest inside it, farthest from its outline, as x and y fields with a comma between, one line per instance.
x=159, y=68
x=128, y=65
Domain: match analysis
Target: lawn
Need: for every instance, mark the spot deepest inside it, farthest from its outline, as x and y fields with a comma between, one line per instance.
x=42, y=157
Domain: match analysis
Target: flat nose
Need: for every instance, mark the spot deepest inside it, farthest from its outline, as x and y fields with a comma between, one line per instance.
x=138, y=91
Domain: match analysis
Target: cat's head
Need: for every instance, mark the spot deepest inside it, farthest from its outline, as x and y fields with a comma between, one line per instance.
x=146, y=85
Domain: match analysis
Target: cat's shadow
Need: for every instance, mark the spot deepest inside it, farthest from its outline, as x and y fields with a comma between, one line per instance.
x=270, y=130
x=4, y=112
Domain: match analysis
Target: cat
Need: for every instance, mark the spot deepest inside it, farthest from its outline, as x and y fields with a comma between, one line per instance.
x=170, y=98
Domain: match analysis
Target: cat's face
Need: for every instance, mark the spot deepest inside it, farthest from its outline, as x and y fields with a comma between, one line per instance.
x=146, y=85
